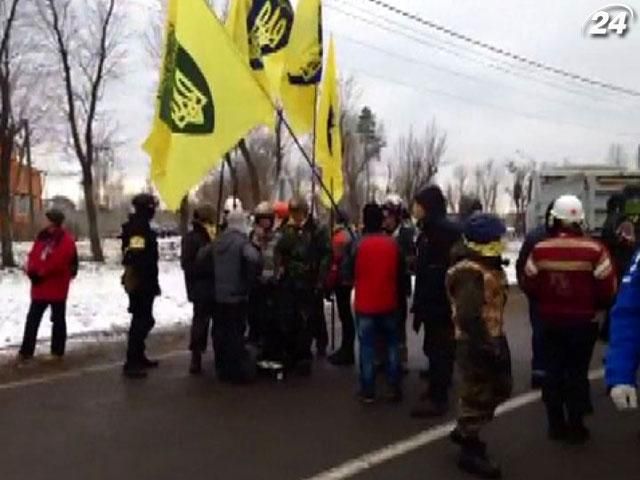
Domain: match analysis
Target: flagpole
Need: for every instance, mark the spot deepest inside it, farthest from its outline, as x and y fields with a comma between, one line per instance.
x=220, y=193
x=333, y=298
x=313, y=151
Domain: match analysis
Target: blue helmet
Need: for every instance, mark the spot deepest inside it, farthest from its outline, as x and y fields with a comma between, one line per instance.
x=484, y=228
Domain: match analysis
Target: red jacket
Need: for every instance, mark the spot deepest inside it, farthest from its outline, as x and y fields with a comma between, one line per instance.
x=378, y=275
x=53, y=262
x=570, y=277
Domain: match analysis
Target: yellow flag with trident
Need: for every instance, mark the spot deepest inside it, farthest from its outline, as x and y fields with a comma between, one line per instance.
x=303, y=67
x=328, y=132
x=208, y=100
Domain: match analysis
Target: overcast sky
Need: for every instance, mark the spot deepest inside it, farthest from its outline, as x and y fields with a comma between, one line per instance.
x=489, y=107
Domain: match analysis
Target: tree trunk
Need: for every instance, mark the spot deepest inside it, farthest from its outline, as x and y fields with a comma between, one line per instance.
x=184, y=216
x=6, y=235
x=254, y=177
x=92, y=216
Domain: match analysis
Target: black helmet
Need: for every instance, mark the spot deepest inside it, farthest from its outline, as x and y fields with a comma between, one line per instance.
x=145, y=204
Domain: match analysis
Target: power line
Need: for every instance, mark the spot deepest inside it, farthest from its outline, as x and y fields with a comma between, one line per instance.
x=526, y=75
x=503, y=52
x=439, y=68
x=466, y=100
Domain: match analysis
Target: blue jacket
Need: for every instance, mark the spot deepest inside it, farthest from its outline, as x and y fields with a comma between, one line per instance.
x=624, y=345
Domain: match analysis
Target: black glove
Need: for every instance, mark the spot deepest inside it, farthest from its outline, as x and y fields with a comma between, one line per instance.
x=35, y=278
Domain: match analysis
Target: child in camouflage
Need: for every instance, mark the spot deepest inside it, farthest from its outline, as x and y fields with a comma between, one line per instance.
x=477, y=287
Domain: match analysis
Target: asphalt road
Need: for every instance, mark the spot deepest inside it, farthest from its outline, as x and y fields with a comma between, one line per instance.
x=96, y=425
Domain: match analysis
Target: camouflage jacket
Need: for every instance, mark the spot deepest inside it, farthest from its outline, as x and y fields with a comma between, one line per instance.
x=478, y=294
x=303, y=254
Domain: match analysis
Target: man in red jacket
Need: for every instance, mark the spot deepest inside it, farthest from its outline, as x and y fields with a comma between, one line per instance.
x=52, y=264
x=570, y=277
x=376, y=265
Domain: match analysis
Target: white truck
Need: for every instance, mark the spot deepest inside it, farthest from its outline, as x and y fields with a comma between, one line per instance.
x=593, y=184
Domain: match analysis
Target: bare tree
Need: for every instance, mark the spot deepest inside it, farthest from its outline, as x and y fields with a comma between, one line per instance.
x=8, y=128
x=88, y=47
x=487, y=181
x=456, y=190
x=521, y=189
x=418, y=160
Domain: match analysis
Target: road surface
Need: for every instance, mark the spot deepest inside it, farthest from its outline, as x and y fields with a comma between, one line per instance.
x=93, y=424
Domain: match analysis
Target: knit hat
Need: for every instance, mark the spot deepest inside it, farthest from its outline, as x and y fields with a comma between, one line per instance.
x=432, y=200
x=55, y=216
x=372, y=217
x=483, y=234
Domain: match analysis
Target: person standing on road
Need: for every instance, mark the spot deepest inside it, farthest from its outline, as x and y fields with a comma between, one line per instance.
x=342, y=287
x=199, y=281
x=52, y=264
x=263, y=320
x=477, y=288
x=405, y=236
x=376, y=265
x=534, y=237
x=303, y=254
x=570, y=277
x=237, y=265
x=623, y=356
x=140, y=281
x=431, y=307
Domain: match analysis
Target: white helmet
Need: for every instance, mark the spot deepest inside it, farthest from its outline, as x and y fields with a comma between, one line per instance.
x=568, y=209
x=232, y=204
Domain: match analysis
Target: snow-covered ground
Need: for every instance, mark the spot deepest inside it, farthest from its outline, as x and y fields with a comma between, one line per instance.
x=97, y=303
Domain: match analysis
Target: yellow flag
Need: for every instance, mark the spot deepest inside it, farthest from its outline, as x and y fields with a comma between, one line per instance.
x=247, y=43
x=328, y=132
x=269, y=23
x=208, y=100
x=303, y=67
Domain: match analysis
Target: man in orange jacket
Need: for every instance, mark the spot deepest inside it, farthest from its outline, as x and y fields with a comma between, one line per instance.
x=571, y=277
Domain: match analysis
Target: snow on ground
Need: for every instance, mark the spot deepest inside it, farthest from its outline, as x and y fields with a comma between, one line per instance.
x=97, y=302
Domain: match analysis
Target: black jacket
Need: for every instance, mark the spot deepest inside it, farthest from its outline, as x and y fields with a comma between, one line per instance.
x=434, y=244
x=534, y=237
x=140, y=255
x=198, y=276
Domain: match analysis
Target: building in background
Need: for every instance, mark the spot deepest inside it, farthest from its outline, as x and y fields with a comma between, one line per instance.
x=25, y=187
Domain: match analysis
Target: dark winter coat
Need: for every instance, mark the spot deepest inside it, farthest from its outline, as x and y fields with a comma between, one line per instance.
x=434, y=245
x=198, y=276
x=304, y=255
x=237, y=265
x=52, y=263
x=534, y=237
x=140, y=257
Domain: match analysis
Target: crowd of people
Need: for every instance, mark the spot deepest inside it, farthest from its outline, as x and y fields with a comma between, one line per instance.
x=258, y=288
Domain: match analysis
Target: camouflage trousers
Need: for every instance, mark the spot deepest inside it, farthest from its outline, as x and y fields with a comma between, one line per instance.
x=486, y=382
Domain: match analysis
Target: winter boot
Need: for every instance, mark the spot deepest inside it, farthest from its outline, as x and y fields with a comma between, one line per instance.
x=342, y=358
x=577, y=433
x=195, y=368
x=475, y=461
x=146, y=363
x=134, y=371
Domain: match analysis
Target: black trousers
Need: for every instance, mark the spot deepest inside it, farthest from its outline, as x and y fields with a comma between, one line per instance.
x=297, y=310
x=201, y=325
x=58, y=328
x=343, y=302
x=232, y=359
x=566, y=390
x=439, y=346
x=318, y=322
x=142, y=322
